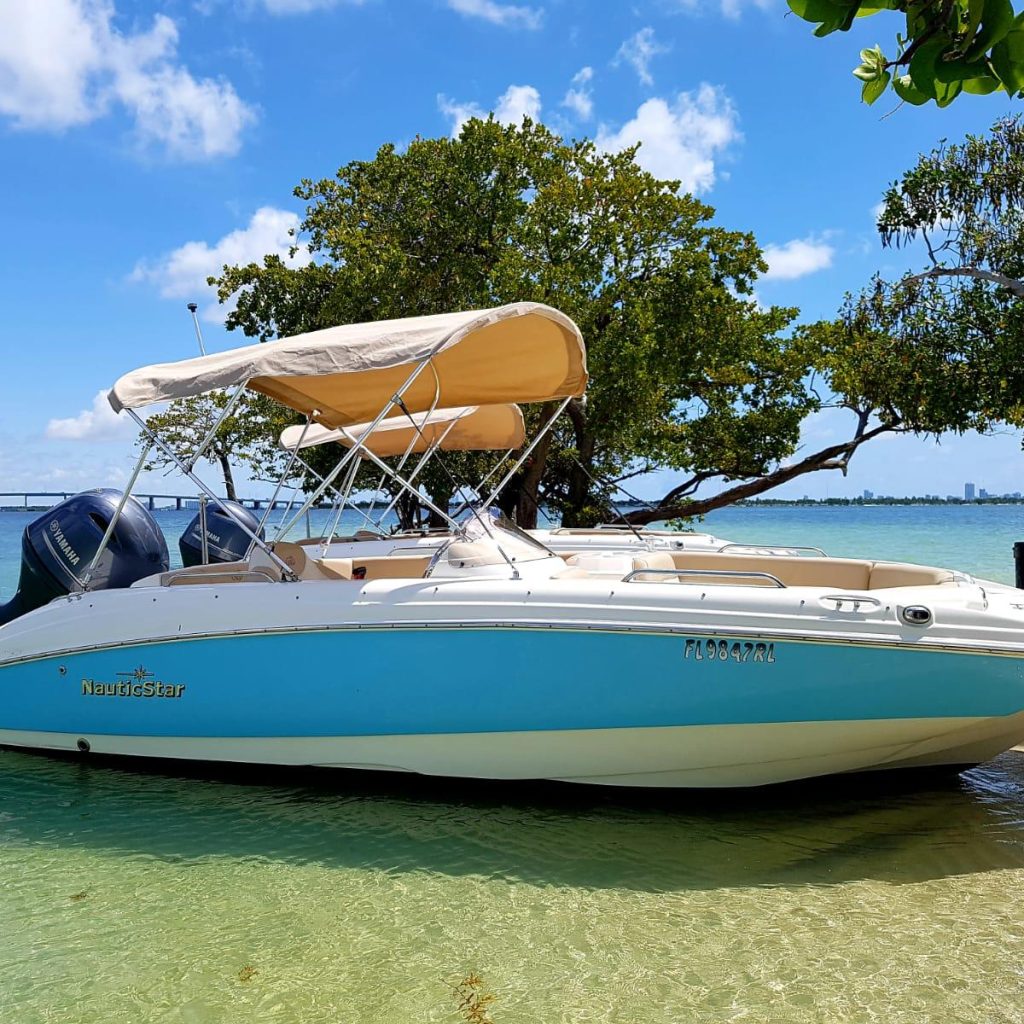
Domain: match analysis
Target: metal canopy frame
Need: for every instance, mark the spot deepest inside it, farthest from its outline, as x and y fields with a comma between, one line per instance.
x=349, y=459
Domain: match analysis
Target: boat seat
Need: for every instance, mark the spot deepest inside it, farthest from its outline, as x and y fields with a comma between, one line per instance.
x=905, y=574
x=296, y=558
x=797, y=571
x=388, y=567
x=792, y=570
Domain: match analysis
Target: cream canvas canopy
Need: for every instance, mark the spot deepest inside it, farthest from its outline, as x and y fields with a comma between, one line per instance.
x=523, y=352
x=472, y=428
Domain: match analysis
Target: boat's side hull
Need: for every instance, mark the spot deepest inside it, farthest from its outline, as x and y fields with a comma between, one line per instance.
x=680, y=756
x=621, y=707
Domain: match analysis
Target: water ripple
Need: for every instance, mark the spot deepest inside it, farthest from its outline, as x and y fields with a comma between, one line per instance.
x=160, y=896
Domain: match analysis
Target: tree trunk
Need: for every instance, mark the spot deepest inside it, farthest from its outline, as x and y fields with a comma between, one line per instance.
x=441, y=500
x=527, y=499
x=579, y=509
x=229, y=480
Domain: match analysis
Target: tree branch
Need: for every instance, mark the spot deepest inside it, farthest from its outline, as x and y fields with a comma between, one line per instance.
x=836, y=456
x=1009, y=283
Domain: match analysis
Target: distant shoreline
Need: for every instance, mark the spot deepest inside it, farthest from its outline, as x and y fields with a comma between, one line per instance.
x=748, y=503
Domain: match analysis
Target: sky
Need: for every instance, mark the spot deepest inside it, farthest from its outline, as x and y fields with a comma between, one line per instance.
x=145, y=145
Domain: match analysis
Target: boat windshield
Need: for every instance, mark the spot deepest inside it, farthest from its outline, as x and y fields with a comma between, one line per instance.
x=497, y=518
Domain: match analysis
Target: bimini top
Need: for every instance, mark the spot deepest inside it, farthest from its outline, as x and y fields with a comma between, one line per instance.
x=523, y=352
x=469, y=428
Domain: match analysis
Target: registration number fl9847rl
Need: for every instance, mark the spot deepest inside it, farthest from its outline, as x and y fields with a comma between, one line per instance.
x=729, y=650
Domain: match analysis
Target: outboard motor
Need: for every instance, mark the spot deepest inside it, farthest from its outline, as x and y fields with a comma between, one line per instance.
x=226, y=541
x=58, y=548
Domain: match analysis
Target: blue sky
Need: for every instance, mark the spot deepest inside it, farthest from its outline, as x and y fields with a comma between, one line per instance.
x=145, y=144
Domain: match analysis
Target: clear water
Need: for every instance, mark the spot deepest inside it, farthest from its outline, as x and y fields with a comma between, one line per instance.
x=150, y=896
x=138, y=897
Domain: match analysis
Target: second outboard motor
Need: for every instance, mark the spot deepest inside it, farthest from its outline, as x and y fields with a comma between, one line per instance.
x=58, y=548
x=226, y=541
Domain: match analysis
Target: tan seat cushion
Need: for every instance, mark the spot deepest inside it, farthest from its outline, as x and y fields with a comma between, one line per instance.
x=794, y=571
x=905, y=574
x=389, y=567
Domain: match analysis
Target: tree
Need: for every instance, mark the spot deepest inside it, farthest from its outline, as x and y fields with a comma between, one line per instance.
x=243, y=436
x=686, y=370
x=947, y=47
x=941, y=349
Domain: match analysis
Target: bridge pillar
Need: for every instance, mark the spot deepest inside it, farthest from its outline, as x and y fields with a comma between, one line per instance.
x=177, y=504
x=151, y=503
x=256, y=503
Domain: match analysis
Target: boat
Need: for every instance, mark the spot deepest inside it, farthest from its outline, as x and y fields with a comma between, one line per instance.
x=492, y=656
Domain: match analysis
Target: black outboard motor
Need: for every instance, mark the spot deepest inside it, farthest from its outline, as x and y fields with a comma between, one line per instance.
x=226, y=541
x=58, y=548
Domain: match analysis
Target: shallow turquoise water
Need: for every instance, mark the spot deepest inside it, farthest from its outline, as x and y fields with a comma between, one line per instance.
x=149, y=896
x=137, y=897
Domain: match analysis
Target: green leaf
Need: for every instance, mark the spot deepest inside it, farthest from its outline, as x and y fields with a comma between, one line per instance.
x=982, y=86
x=959, y=70
x=975, y=11
x=1008, y=61
x=946, y=92
x=922, y=65
x=873, y=89
x=906, y=91
x=867, y=9
x=996, y=21
x=814, y=10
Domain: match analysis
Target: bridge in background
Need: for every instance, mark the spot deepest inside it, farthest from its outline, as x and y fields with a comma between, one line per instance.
x=177, y=501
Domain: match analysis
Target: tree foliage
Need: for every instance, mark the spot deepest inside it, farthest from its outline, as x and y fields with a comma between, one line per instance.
x=241, y=438
x=686, y=371
x=946, y=47
x=942, y=349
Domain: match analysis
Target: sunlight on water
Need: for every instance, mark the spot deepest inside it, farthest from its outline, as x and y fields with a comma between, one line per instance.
x=142, y=897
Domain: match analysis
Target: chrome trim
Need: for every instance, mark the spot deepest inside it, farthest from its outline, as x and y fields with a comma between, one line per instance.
x=250, y=576
x=730, y=573
x=775, y=548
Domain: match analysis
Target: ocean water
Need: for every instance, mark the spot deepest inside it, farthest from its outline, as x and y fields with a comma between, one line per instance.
x=203, y=897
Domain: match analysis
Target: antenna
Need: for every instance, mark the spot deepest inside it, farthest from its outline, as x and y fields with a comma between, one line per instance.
x=192, y=307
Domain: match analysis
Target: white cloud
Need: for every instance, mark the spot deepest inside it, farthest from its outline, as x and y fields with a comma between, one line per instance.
x=515, y=103
x=98, y=423
x=182, y=273
x=506, y=15
x=730, y=8
x=578, y=98
x=63, y=63
x=640, y=50
x=797, y=258
x=679, y=140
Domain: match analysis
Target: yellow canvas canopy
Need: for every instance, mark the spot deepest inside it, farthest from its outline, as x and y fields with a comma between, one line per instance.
x=472, y=428
x=519, y=353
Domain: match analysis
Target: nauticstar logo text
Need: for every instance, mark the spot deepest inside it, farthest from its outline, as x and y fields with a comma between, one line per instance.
x=69, y=552
x=137, y=683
